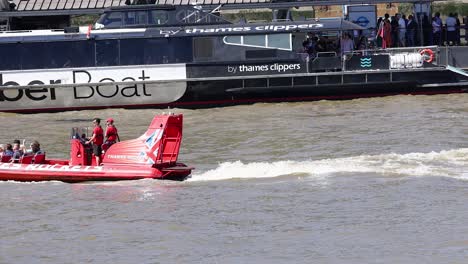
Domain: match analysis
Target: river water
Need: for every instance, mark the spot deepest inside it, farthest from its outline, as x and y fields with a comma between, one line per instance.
x=381, y=180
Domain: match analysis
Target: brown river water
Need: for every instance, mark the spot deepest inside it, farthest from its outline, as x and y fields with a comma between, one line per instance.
x=381, y=180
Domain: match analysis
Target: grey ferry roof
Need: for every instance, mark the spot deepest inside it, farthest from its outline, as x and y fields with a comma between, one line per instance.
x=98, y=5
x=36, y=5
x=321, y=25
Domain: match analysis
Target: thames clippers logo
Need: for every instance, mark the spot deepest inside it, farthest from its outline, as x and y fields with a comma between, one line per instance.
x=150, y=154
x=274, y=68
x=263, y=28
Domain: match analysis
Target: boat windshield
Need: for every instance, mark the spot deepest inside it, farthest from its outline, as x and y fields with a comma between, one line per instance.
x=79, y=133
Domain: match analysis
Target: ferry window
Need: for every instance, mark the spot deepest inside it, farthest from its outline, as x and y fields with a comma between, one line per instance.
x=181, y=50
x=203, y=48
x=130, y=51
x=233, y=39
x=190, y=17
x=257, y=54
x=255, y=40
x=255, y=83
x=107, y=52
x=142, y=17
x=156, y=51
x=32, y=55
x=83, y=53
x=276, y=41
x=130, y=18
x=281, y=41
x=10, y=57
x=59, y=54
x=158, y=17
x=280, y=81
x=113, y=20
x=67, y=54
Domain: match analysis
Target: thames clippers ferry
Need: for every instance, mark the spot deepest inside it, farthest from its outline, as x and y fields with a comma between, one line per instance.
x=159, y=56
x=153, y=155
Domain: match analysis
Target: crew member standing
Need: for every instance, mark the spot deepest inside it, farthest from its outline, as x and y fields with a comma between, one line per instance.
x=97, y=139
x=111, y=134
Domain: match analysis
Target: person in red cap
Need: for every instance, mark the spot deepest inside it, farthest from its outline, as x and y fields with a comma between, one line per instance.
x=111, y=134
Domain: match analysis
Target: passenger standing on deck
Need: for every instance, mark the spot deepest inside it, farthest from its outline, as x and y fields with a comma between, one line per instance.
x=387, y=32
x=457, y=20
x=347, y=44
x=97, y=139
x=411, y=28
x=437, y=30
x=451, y=24
x=111, y=134
x=427, y=31
x=402, y=31
x=465, y=21
x=395, y=31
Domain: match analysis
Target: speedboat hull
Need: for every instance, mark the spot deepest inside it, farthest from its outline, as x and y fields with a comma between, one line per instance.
x=150, y=156
x=77, y=173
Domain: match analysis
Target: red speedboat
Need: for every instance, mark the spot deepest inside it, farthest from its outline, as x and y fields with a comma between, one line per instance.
x=152, y=155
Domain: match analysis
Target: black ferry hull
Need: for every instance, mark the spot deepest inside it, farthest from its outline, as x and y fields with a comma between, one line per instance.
x=193, y=86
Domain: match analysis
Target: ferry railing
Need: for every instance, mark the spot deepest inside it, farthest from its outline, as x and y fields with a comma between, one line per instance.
x=281, y=20
x=326, y=54
x=393, y=51
x=396, y=51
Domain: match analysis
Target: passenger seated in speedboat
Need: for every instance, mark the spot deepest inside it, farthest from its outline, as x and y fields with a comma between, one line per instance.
x=6, y=153
x=17, y=150
x=35, y=149
x=8, y=150
x=2, y=150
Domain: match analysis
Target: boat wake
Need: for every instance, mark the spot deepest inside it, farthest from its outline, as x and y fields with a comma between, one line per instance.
x=450, y=163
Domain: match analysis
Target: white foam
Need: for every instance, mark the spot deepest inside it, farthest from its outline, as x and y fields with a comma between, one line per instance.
x=33, y=182
x=450, y=163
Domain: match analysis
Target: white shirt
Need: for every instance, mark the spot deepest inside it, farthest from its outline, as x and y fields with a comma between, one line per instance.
x=402, y=24
x=435, y=27
x=347, y=45
x=451, y=22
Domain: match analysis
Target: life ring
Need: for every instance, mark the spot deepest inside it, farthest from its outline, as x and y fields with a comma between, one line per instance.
x=428, y=55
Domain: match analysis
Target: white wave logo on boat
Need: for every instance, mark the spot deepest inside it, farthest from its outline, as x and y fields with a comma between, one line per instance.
x=366, y=62
x=451, y=163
